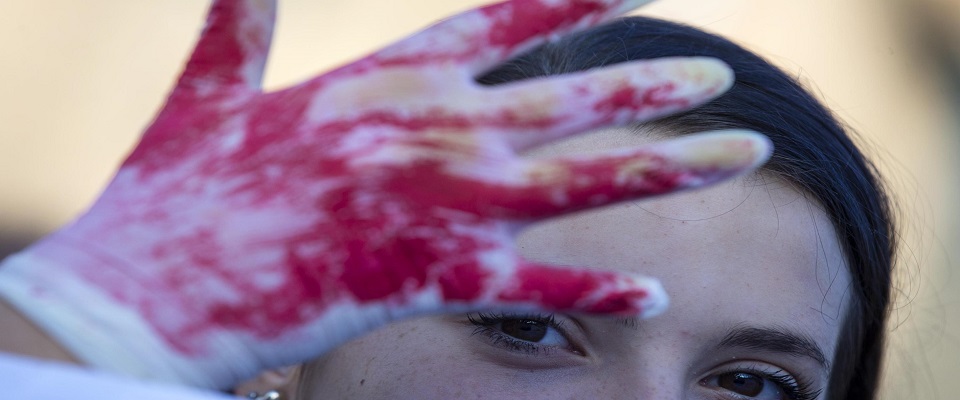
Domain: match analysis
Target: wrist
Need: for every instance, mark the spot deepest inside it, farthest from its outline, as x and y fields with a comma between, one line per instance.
x=60, y=286
x=23, y=337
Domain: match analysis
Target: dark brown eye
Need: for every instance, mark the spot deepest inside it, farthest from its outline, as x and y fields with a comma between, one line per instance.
x=525, y=329
x=741, y=383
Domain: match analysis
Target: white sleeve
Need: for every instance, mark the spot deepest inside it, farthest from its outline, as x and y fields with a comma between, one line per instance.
x=26, y=378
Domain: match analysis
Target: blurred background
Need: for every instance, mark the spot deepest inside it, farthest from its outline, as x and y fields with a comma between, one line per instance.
x=80, y=79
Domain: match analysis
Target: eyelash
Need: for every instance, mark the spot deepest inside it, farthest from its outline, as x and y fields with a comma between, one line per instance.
x=796, y=388
x=485, y=325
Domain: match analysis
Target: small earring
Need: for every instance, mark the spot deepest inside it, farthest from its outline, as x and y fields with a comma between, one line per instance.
x=271, y=395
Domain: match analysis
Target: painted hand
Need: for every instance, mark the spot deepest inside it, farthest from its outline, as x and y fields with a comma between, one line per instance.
x=250, y=230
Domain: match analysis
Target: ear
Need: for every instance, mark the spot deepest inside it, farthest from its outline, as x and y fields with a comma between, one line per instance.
x=283, y=380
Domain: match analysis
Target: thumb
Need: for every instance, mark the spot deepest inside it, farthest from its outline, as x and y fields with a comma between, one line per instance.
x=233, y=47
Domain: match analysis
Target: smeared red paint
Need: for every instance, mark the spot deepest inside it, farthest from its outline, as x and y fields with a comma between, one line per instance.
x=515, y=22
x=223, y=50
x=513, y=25
x=581, y=181
x=246, y=218
x=568, y=289
x=655, y=98
x=228, y=44
x=623, y=302
x=463, y=282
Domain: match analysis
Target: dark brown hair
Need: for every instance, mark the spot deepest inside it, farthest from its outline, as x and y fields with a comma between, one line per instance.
x=812, y=150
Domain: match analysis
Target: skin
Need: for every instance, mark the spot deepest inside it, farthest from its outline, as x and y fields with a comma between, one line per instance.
x=748, y=253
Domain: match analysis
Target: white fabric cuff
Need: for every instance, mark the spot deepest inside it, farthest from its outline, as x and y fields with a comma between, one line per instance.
x=27, y=378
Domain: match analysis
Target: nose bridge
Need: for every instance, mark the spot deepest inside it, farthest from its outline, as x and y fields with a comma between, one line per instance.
x=655, y=373
x=658, y=384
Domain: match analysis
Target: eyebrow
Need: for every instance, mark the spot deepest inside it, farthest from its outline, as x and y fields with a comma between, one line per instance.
x=775, y=340
x=770, y=339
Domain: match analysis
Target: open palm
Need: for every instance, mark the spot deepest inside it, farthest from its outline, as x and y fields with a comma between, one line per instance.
x=252, y=229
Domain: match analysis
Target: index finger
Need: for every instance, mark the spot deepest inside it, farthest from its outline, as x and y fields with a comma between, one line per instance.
x=479, y=39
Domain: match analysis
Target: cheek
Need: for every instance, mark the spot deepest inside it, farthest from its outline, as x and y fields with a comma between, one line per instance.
x=416, y=358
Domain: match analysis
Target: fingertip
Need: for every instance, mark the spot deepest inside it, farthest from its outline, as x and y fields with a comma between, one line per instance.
x=726, y=151
x=760, y=144
x=632, y=295
x=233, y=47
x=714, y=71
x=656, y=303
x=699, y=78
x=592, y=291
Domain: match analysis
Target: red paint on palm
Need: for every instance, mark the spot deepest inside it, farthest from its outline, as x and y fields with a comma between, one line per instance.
x=379, y=190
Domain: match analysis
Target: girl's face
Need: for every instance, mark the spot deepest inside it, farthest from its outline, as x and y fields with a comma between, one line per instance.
x=758, y=288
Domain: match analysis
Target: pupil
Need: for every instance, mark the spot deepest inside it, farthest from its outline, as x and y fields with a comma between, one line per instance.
x=742, y=383
x=525, y=329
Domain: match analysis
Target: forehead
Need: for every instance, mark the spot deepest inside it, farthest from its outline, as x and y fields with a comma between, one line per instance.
x=753, y=250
